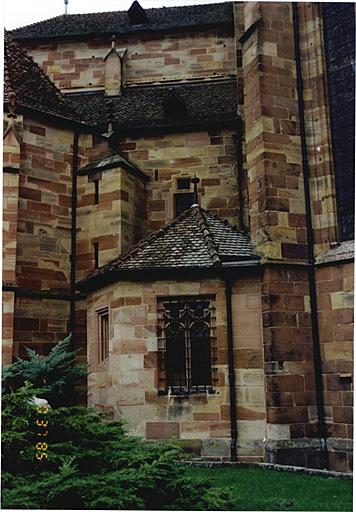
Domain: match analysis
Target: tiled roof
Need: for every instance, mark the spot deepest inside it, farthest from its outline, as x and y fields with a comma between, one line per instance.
x=110, y=161
x=196, y=239
x=344, y=251
x=161, y=19
x=32, y=87
x=144, y=107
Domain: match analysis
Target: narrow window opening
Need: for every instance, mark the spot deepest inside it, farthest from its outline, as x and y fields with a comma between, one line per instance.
x=96, y=192
x=103, y=334
x=96, y=254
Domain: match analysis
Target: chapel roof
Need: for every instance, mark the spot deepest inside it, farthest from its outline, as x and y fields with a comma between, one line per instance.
x=144, y=107
x=119, y=22
x=196, y=239
x=25, y=81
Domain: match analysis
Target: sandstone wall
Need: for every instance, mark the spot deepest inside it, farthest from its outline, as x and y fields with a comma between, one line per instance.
x=127, y=382
x=273, y=147
x=44, y=216
x=150, y=58
x=116, y=223
x=335, y=305
x=317, y=125
x=39, y=324
x=7, y=326
x=209, y=155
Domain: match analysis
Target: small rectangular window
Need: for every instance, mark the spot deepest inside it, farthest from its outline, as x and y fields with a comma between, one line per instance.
x=103, y=334
x=96, y=254
x=96, y=191
x=183, y=183
x=186, y=344
x=182, y=202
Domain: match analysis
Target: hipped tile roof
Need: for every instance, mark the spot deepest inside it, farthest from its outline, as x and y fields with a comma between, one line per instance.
x=31, y=86
x=196, y=239
x=213, y=102
x=100, y=23
x=110, y=161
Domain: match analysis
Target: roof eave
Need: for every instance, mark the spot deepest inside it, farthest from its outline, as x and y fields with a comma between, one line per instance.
x=224, y=271
x=22, y=108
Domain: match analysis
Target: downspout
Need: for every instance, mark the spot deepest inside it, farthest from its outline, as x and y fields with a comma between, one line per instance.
x=310, y=248
x=73, y=256
x=231, y=366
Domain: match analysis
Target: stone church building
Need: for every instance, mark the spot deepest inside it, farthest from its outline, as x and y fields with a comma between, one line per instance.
x=179, y=194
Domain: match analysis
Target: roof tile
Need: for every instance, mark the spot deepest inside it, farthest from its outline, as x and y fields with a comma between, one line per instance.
x=196, y=239
x=32, y=87
x=212, y=102
x=161, y=19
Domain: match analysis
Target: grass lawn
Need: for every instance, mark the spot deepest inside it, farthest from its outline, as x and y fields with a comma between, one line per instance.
x=262, y=489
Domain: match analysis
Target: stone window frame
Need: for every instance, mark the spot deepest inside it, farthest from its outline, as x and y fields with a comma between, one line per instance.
x=180, y=192
x=102, y=333
x=163, y=388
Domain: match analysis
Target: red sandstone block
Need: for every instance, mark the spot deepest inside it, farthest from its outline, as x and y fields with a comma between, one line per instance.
x=38, y=207
x=206, y=416
x=343, y=415
x=133, y=301
x=210, y=182
x=160, y=430
x=248, y=358
x=222, y=429
x=286, y=415
x=285, y=383
x=38, y=130
x=28, y=193
x=334, y=383
x=150, y=360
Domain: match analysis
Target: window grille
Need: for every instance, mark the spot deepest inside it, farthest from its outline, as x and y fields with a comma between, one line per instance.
x=103, y=334
x=186, y=345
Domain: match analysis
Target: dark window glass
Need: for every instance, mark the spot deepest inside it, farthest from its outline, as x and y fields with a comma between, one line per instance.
x=183, y=183
x=96, y=192
x=185, y=333
x=103, y=334
x=339, y=32
x=183, y=202
x=96, y=254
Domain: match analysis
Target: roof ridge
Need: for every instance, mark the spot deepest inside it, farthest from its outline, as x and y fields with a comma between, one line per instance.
x=7, y=77
x=212, y=248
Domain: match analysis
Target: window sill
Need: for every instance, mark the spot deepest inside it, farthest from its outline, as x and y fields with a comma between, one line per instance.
x=185, y=393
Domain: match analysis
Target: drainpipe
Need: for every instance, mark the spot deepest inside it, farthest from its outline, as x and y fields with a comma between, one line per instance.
x=73, y=236
x=310, y=248
x=232, y=386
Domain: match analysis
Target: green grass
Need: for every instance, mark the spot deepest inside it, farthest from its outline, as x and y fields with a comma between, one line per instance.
x=262, y=489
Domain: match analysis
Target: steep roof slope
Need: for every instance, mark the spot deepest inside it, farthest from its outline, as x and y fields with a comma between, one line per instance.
x=196, y=239
x=118, y=22
x=31, y=86
x=144, y=106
